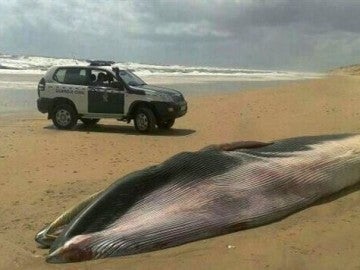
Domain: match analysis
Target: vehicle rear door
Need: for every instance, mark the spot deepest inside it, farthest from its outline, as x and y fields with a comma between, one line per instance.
x=71, y=83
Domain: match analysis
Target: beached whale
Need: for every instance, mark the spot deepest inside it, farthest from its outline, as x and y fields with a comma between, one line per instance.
x=197, y=195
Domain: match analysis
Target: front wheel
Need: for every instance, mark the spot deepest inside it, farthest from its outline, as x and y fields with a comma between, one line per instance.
x=144, y=120
x=166, y=124
x=64, y=116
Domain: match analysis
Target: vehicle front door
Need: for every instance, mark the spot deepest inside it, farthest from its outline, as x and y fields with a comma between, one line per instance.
x=105, y=94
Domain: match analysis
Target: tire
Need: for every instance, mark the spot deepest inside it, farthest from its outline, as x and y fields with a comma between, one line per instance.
x=64, y=116
x=89, y=122
x=166, y=124
x=144, y=120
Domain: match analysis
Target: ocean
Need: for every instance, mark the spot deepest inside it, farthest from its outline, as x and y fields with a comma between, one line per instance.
x=19, y=76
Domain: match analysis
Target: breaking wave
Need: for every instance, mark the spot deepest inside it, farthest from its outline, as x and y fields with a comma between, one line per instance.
x=38, y=65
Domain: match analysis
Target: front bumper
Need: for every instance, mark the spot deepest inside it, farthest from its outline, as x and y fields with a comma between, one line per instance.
x=169, y=110
x=44, y=104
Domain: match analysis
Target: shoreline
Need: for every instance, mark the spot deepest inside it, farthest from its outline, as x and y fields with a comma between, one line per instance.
x=45, y=171
x=20, y=95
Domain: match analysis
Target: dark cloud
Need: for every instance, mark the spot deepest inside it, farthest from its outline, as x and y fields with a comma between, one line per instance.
x=304, y=35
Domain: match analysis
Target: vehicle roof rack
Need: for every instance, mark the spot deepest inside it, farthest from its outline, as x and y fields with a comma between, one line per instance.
x=97, y=63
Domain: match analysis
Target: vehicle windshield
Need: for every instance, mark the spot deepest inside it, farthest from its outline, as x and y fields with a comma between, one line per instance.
x=130, y=78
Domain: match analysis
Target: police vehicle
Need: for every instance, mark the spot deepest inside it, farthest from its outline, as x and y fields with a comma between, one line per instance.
x=102, y=90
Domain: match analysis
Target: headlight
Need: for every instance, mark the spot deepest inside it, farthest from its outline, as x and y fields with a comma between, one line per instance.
x=163, y=96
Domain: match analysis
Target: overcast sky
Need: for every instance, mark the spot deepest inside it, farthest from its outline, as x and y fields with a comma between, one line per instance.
x=298, y=35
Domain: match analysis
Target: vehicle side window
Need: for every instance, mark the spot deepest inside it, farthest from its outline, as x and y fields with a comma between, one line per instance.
x=77, y=76
x=101, y=78
x=59, y=76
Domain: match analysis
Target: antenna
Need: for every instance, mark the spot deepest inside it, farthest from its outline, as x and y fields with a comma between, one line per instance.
x=76, y=61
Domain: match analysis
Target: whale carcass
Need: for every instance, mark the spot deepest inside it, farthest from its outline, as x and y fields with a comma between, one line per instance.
x=197, y=195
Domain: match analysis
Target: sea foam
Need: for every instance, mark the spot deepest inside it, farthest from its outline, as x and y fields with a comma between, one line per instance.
x=11, y=64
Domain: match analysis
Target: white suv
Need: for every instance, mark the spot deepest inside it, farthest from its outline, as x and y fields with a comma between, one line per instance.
x=100, y=90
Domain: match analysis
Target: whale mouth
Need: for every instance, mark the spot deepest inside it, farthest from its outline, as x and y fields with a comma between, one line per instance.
x=56, y=256
x=76, y=250
x=69, y=254
x=43, y=239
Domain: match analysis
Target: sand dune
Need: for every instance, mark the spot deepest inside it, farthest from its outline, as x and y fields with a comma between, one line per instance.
x=44, y=171
x=347, y=70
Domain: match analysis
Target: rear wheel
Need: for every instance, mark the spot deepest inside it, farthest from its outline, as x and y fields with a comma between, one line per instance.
x=64, y=116
x=89, y=122
x=144, y=120
x=166, y=124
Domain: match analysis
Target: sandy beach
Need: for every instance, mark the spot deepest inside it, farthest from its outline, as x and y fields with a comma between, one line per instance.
x=45, y=171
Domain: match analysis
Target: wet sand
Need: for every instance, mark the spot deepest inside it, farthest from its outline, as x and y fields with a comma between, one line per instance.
x=44, y=171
